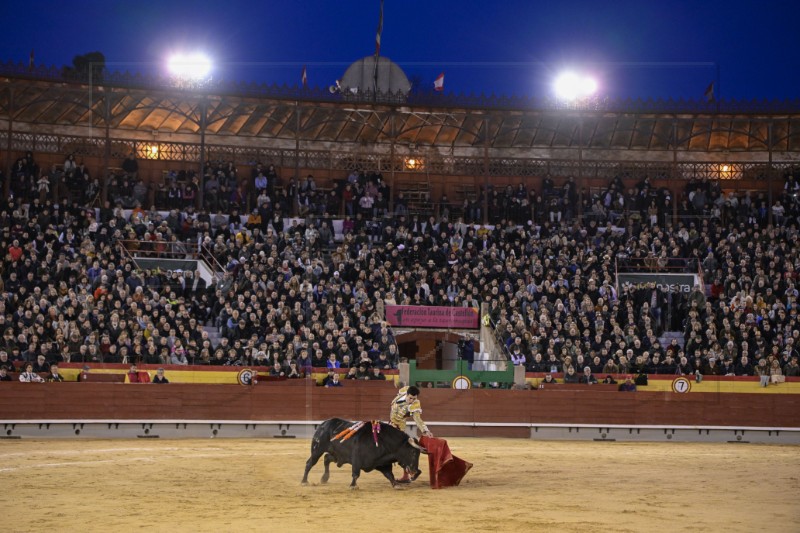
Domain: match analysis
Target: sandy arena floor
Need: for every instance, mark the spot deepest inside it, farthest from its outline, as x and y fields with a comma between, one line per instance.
x=516, y=485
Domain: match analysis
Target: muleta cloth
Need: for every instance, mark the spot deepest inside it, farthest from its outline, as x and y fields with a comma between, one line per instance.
x=446, y=470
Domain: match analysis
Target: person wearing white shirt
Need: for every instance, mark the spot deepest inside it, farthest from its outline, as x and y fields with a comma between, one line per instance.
x=29, y=376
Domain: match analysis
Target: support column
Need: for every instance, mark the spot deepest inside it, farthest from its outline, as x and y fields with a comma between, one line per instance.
x=676, y=192
x=579, y=181
x=769, y=173
x=107, y=149
x=404, y=373
x=519, y=375
x=391, y=167
x=202, y=177
x=9, y=162
x=486, y=170
x=293, y=209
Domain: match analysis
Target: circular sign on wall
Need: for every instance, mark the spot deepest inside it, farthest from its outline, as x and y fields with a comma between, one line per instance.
x=245, y=376
x=461, y=383
x=681, y=385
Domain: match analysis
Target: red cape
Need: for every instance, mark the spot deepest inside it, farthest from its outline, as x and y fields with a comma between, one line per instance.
x=446, y=470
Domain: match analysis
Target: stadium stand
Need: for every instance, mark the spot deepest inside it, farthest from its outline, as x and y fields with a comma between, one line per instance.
x=308, y=289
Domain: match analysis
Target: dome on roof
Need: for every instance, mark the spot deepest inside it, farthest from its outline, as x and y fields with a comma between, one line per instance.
x=362, y=76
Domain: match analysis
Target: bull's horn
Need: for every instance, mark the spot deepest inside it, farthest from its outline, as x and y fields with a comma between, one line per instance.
x=413, y=442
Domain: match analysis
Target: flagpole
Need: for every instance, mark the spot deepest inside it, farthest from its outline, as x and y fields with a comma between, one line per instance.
x=377, y=54
x=719, y=89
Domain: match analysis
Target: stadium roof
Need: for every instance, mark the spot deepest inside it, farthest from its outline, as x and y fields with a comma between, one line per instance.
x=138, y=104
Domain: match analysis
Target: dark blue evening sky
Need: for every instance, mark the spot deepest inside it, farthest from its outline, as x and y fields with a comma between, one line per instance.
x=636, y=48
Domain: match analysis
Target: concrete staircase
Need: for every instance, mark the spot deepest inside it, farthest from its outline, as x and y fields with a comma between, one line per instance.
x=484, y=361
x=213, y=334
x=666, y=338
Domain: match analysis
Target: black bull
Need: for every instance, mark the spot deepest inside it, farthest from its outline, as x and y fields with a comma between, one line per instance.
x=360, y=451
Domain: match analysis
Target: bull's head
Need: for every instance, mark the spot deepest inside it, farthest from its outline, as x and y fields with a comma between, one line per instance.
x=415, y=443
x=408, y=456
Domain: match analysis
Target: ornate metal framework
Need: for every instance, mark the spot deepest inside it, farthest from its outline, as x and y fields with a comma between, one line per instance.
x=346, y=161
x=460, y=136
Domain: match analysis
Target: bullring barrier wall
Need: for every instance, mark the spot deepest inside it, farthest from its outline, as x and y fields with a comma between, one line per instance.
x=293, y=408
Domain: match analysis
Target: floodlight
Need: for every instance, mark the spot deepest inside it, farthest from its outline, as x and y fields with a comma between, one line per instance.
x=190, y=66
x=571, y=86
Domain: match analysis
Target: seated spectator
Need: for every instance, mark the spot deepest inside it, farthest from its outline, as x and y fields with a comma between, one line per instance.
x=5, y=362
x=328, y=377
x=570, y=376
x=4, y=374
x=294, y=372
x=29, y=376
x=334, y=381
x=134, y=376
x=587, y=378
x=611, y=367
x=178, y=356
x=41, y=365
x=547, y=380
x=792, y=368
x=362, y=371
x=159, y=377
x=776, y=372
x=517, y=357
x=376, y=375
x=277, y=370
x=763, y=372
x=628, y=385
x=383, y=362
x=54, y=375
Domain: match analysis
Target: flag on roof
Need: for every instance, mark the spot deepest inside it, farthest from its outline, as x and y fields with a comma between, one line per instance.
x=438, y=83
x=378, y=34
x=710, y=92
x=305, y=77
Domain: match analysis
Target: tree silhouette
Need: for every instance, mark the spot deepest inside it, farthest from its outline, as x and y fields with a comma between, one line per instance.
x=86, y=67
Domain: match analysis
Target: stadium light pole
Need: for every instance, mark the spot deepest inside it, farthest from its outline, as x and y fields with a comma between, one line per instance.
x=193, y=72
x=577, y=92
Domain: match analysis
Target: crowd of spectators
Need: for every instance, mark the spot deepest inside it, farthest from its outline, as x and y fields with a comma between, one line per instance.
x=293, y=296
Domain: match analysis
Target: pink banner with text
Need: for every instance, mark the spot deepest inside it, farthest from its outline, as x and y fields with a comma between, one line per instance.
x=412, y=316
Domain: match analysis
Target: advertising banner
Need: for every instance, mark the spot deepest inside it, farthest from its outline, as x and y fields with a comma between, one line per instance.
x=413, y=316
x=677, y=283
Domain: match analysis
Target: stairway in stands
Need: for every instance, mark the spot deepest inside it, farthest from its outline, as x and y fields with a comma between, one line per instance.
x=214, y=335
x=666, y=338
x=484, y=360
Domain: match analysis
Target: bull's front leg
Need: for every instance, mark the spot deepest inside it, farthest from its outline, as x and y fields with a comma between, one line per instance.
x=316, y=452
x=328, y=460
x=356, y=473
x=388, y=474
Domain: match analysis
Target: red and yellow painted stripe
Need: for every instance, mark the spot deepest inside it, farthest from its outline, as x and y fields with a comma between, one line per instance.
x=191, y=374
x=719, y=384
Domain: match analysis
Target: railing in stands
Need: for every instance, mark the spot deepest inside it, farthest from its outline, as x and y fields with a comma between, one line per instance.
x=344, y=161
x=127, y=254
x=674, y=265
x=205, y=254
x=160, y=249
